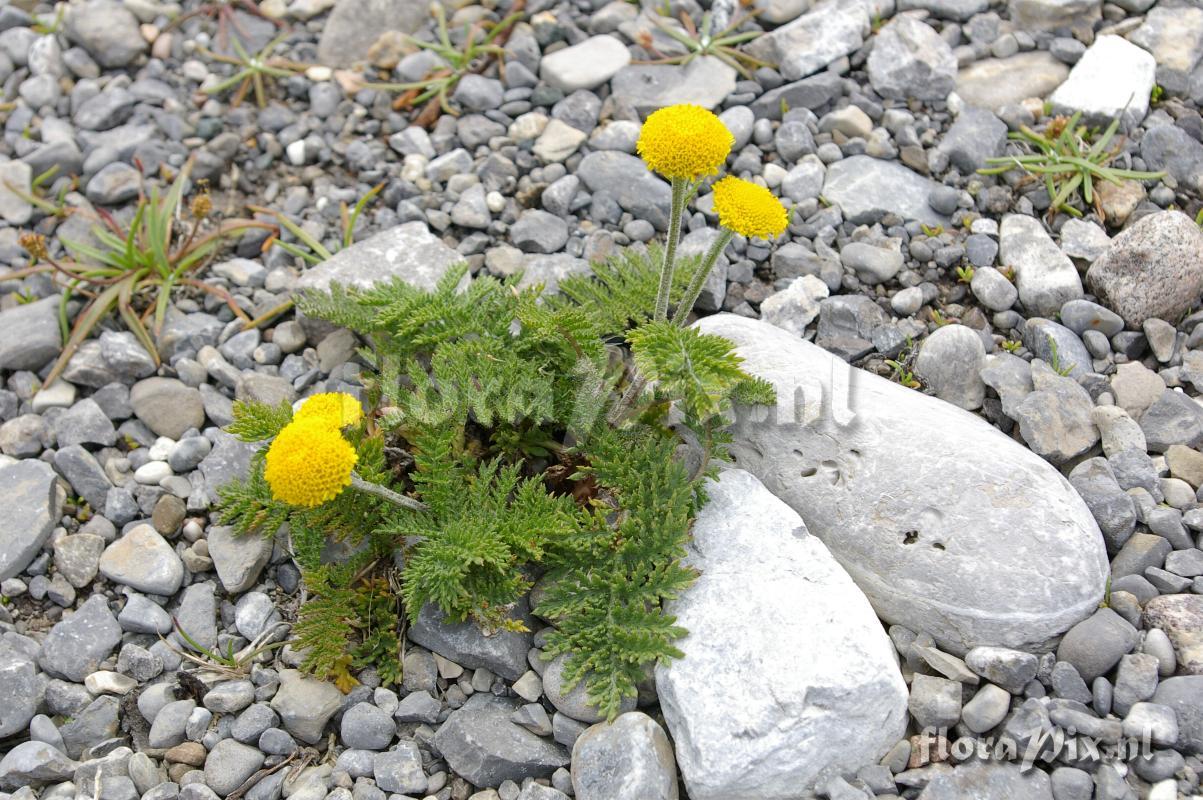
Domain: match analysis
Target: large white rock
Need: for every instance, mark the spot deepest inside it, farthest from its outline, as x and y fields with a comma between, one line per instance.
x=949, y=526
x=1113, y=77
x=787, y=675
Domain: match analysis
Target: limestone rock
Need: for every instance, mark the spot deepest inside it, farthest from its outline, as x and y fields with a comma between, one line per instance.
x=907, y=521
x=742, y=728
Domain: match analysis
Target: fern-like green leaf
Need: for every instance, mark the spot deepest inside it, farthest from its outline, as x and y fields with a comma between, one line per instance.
x=255, y=422
x=700, y=369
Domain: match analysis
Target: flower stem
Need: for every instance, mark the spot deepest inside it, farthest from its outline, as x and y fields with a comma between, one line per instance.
x=679, y=199
x=699, y=278
x=386, y=494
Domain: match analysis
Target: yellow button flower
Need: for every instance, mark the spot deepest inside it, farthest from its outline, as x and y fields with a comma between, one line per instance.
x=749, y=209
x=685, y=142
x=336, y=408
x=309, y=463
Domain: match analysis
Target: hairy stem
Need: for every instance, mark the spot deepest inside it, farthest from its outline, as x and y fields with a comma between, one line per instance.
x=699, y=278
x=386, y=494
x=670, y=248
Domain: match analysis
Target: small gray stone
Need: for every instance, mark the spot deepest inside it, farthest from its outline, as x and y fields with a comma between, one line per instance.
x=305, y=705
x=950, y=362
x=30, y=506
x=987, y=708
x=975, y=136
x=417, y=706
x=408, y=251
x=814, y=39
x=1010, y=669
x=366, y=727
x=143, y=560
x=866, y=189
x=167, y=406
x=1184, y=694
x=34, y=762
x=40, y=340
x=78, y=643
x=1096, y=644
x=229, y=764
x=400, y=770
x=503, y=653
x=107, y=30
x=909, y=59
x=992, y=289
x=574, y=703
x=539, y=232
x=629, y=759
x=115, y=184
x=1045, y=277
x=480, y=743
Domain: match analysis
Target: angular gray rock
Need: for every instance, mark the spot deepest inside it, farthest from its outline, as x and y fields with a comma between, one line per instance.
x=812, y=41
x=841, y=703
x=1055, y=419
x=481, y=744
x=909, y=59
x=238, y=559
x=912, y=533
x=1184, y=694
x=408, y=251
x=107, y=30
x=1172, y=149
x=1095, y=645
x=229, y=764
x=305, y=705
x=78, y=643
x=975, y=136
x=1153, y=269
x=629, y=759
x=1045, y=277
x=30, y=507
x=1111, y=506
x=1113, y=77
x=31, y=763
x=19, y=690
x=40, y=339
x=867, y=188
x=142, y=559
x=503, y=653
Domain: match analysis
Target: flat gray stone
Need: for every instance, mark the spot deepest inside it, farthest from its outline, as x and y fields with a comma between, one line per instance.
x=585, y=65
x=996, y=82
x=167, y=406
x=239, y=560
x=866, y=189
x=30, y=507
x=628, y=180
x=840, y=704
x=988, y=781
x=305, y=705
x=107, y=30
x=482, y=745
x=503, y=653
x=912, y=535
x=40, y=339
x=408, y=251
x=19, y=690
x=142, y=559
x=78, y=643
x=704, y=81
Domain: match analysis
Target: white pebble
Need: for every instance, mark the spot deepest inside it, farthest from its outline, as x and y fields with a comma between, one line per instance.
x=152, y=472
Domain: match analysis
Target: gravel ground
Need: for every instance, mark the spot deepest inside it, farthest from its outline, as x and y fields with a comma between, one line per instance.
x=1009, y=546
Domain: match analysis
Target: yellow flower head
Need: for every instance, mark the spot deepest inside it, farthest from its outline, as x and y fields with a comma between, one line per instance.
x=748, y=208
x=338, y=409
x=309, y=463
x=684, y=141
